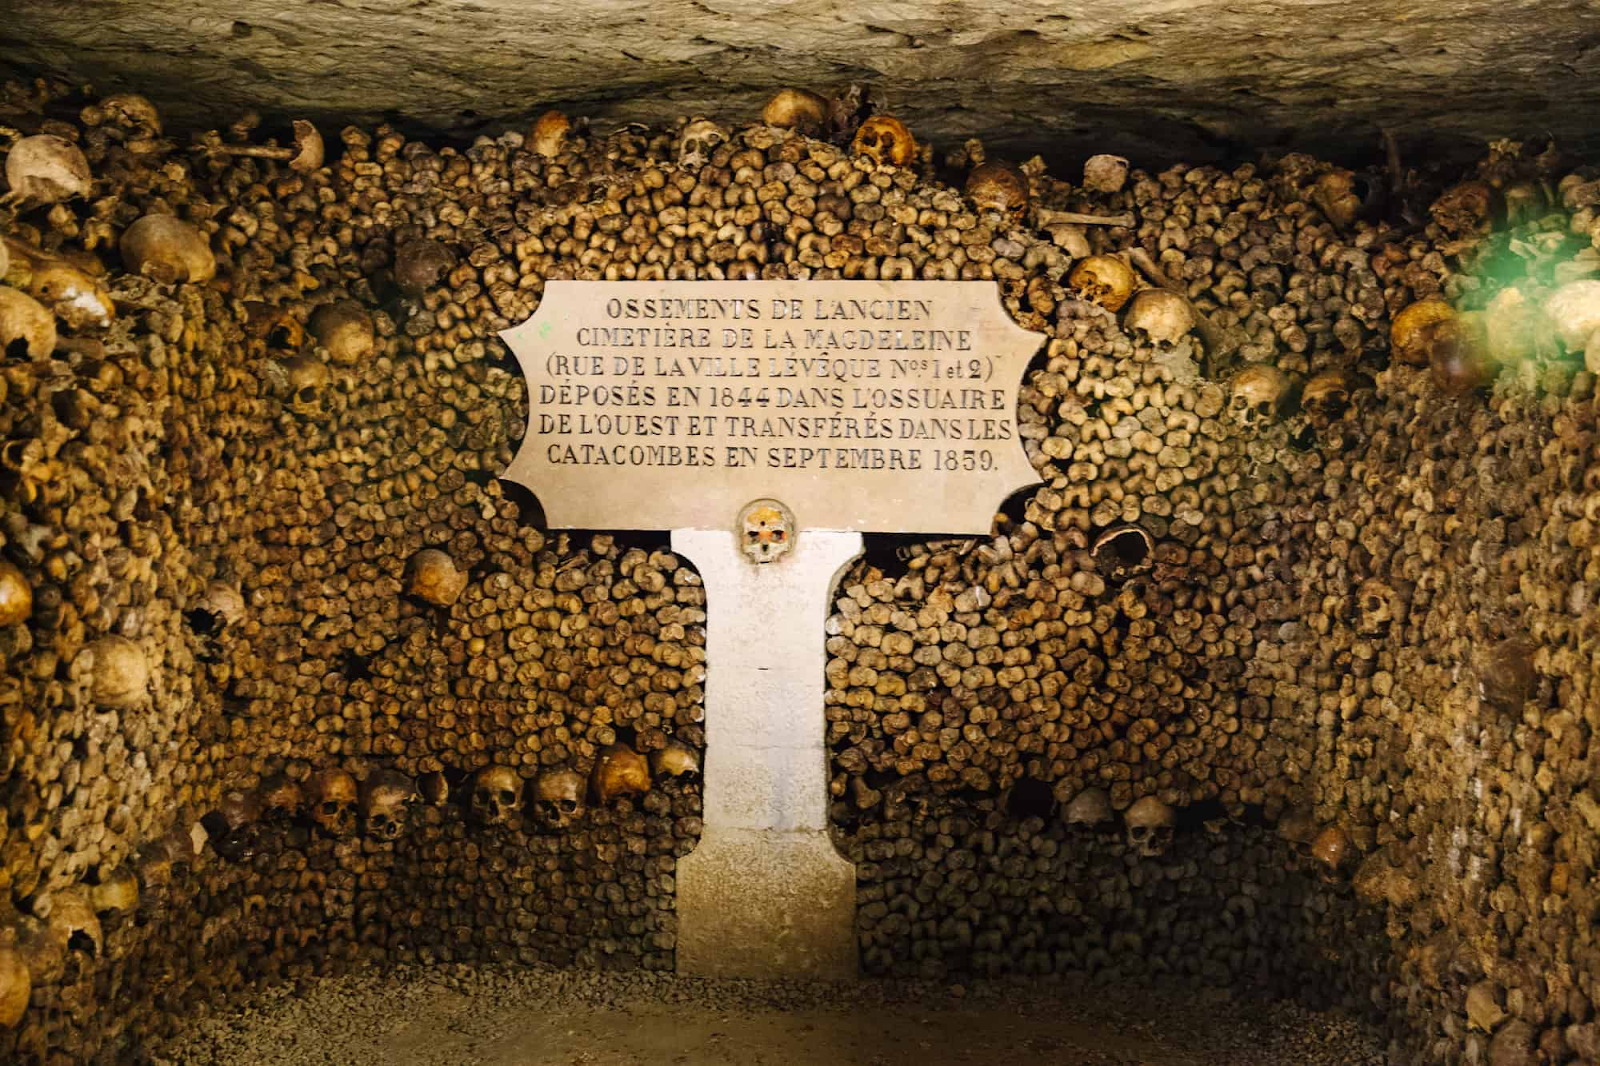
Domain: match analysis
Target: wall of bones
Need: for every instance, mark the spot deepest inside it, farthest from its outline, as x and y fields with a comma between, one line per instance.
x=1281, y=678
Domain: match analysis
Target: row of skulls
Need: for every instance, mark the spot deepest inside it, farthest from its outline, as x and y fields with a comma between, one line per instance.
x=380, y=806
x=1150, y=826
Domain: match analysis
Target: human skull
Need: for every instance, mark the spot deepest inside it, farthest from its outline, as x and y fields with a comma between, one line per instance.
x=1408, y=333
x=795, y=109
x=1326, y=397
x=129, y=113
x=558, y=798
x=386, y=799
x=345, y=329
x=1335, y=196
x=1150, y=825
x=1103, y=279
x=71, y=919
x=307, y=379
x=1258, y=395
x=1163, y=317
x=121, y=675
x=767, y=531
x=16, y=595
x=16, y=986
x=998, y=186
x=1375, y=607
x=167, y=250
x=431, y=576
x=698, y=140
x=117, y=892
x=45, y=169
x=550, y=133
x=218, y=607
x=74, y=297
x=496, y=795
x=26, y=326
x=1332, y=849
x=435, y=788
x=677, y=762
x=1122, y=551
x=1575, y=310
x=1091, y=807
x=233, y=828
x=281, y=800
x=619, y=770
x=885, y=140
x=1505, y=673
x=332, y=798
x=1467, y=210
x=1458, y=353
x=421, y=264
x=1105, y=173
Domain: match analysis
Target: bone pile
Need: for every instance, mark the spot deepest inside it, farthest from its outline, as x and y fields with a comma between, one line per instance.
x=1280, y=679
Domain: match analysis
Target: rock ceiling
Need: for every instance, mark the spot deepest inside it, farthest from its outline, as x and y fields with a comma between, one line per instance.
x=1158, y=80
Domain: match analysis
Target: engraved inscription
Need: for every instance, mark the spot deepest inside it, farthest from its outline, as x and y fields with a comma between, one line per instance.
x=882, y=406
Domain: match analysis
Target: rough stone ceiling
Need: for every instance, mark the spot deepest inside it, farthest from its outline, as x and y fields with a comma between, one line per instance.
x=1158, y=79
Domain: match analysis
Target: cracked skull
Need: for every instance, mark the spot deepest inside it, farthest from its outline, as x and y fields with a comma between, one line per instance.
x=496, y=795
x=386, y=799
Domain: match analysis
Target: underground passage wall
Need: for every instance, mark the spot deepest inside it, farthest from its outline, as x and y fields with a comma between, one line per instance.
x=1279, y=680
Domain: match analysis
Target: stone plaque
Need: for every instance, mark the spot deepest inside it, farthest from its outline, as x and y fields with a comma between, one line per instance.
x=881, y=406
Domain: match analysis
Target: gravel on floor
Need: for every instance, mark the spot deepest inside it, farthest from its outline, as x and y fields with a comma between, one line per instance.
x=461, y=1016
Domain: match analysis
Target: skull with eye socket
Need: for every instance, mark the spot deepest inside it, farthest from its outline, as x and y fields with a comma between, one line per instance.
x=675, y=764
x=698, y=141
x=1258, y=395
x=331, y=796
x=558, y=798
x=496, y=796
x=1326, y=396
x=886, y=141
x=766, y=531
x=305, y=382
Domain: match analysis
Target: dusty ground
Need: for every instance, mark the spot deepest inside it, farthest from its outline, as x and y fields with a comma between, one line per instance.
x=513, y=1018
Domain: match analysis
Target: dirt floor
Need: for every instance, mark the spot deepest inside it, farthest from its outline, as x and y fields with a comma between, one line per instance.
x=512, y=1018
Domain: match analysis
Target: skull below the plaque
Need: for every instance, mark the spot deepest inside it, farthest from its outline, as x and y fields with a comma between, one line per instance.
x=766, y=531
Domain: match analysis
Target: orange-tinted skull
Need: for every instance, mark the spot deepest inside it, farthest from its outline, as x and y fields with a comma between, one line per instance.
x=886, y=141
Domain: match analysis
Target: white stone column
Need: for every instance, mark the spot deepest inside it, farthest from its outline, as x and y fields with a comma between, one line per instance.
x=765, y=894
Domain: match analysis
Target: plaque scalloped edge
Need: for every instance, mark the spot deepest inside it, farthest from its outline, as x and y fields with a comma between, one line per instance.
x=640, y=483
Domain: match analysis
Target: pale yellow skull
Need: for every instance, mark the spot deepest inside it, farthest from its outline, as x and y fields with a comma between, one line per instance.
x=1159, y=316
x=1258, y=395
x=766, y=531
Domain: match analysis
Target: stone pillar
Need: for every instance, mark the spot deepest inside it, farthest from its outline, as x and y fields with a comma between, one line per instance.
x=765, y=894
